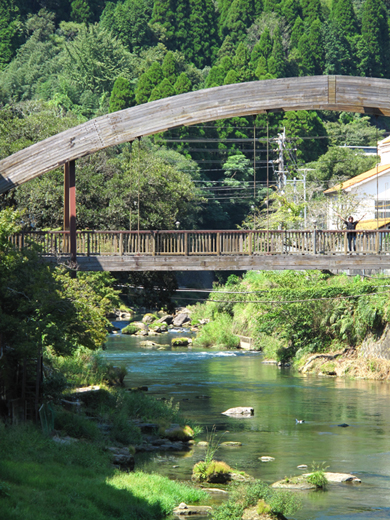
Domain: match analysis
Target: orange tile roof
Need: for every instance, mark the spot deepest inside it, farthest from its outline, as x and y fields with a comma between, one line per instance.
x=359, y=178
x=387, y=140
x=373, y=224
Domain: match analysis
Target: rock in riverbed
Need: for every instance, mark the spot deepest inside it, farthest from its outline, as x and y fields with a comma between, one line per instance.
x=240, y=410
x=184, y=510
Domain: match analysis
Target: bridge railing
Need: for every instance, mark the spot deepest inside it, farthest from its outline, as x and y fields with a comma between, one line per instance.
x=198, y=243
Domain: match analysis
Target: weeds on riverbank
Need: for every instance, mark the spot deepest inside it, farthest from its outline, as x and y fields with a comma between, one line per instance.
x=44, y=480
x=243, y=496
x=292, y=314
x=218, y=333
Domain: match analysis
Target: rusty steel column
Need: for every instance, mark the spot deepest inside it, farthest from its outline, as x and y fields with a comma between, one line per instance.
x=66, y=196
x=72, y=209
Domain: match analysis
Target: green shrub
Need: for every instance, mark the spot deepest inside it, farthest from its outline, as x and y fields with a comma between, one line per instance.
x=247, y=495
x=318, y=479
x=123, y=430
x=262, y=507
x=218, y=333
x=75, y=425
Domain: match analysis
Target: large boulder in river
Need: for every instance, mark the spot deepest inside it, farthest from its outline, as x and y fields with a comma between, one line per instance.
x=149, y=318
x=166, y=318
x=180, y=319
x=240, y=410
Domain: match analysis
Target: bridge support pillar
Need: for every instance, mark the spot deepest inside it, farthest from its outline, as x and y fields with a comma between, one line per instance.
x=70, y=205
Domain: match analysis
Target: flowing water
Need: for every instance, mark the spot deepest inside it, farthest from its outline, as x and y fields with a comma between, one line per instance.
x=207, y=382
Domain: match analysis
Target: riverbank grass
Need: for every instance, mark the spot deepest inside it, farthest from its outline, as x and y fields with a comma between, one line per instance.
x=43, y=480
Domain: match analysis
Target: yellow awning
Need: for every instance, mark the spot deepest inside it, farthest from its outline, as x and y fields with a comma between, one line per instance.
x=373, y=224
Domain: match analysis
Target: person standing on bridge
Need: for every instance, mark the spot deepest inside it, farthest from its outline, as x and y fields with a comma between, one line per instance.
x=351, y=225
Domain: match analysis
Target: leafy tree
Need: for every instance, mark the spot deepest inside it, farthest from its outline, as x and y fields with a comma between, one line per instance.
x=129, y=22
x=297, y=32
x=261, y=69
x=122, y=95
x=163, y=16
x=311, y=10
x=271, y=5
x=241, y=62
x=338, y=164
x=375, y=39
x=307, y=62
x=338, y=51
x=81, y=12
x=155, y=74
x=183, y=84
x=169, y=67
x=144, y=89
x=239, y=17
x=215, y=77
x=317, y=46
x=202, y=38
x=227, y=48
x=237, y=175
x=276, y=62
x=95, y=58
x=265, y=43
x=300, y=126
x=9, y=29
x=343, y=15
x=353, y=130
x=44, y=310
x=231, y=77
x=290, y=9
x=163, y=90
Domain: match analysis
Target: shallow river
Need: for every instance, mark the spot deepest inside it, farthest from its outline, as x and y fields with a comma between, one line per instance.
x=207, y=383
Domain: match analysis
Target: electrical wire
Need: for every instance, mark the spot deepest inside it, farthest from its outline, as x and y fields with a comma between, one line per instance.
x=283, y=302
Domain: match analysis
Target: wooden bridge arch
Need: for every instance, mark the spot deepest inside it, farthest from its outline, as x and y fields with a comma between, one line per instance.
x=347, y=93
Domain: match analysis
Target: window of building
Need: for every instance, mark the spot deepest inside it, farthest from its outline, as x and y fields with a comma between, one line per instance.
x=382, y=209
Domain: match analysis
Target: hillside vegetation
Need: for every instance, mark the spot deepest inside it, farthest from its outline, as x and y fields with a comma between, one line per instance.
x=62, y=63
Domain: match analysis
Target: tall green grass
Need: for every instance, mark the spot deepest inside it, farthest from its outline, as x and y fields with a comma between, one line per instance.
x=218, y=333
x=43, y=480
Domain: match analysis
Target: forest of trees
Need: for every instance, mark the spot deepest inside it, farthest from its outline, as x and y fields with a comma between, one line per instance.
x=63, y=62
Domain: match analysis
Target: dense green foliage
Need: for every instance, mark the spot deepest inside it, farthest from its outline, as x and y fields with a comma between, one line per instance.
x=293, y=313
x=62, y=63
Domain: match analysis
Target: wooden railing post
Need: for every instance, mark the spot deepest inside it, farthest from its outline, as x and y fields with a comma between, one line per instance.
x=315, y=242
x=153, y=244
x=345, y=243
x=219, y=244
x=186, y=244
x=88, y=243
x=121, y=244
x=377, y=241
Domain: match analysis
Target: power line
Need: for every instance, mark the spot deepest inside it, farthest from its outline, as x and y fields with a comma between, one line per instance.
x=282, y=302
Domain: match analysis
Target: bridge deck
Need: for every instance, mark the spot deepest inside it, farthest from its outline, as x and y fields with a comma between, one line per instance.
x=213, y=250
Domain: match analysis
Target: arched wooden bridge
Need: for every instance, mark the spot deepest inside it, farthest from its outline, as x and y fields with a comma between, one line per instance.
x=346, y=93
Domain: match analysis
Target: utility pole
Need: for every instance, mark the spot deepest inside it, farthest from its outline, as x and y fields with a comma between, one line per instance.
x=280, y=173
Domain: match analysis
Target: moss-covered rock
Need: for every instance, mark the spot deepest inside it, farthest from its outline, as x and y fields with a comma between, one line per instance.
x=181, y=342
x=179, y=433
x=216, y=472
x=130, y=329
